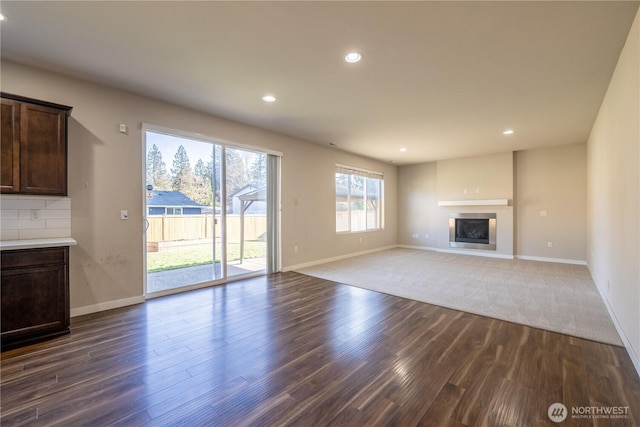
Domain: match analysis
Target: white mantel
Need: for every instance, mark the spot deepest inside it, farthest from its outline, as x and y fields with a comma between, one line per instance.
x=485, y=202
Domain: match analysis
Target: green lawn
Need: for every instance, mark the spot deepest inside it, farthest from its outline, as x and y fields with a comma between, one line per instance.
x=191, y=256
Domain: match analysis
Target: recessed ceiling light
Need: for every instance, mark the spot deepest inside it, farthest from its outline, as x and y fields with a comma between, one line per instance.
x=269, y=98
x=508, y=132
x=403, y=149
x=353, y=57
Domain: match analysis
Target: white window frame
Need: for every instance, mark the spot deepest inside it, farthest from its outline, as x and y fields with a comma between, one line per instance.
x=351, y=171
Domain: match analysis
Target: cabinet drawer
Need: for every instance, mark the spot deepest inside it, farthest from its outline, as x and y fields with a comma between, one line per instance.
x=33, y=257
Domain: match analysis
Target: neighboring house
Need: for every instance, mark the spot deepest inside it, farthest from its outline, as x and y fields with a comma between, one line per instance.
x=253, y=198
x=172, y=203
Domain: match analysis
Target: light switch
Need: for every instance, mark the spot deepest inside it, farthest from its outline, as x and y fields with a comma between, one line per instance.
x=122, y=128
x=543, y=213
x=124, y=214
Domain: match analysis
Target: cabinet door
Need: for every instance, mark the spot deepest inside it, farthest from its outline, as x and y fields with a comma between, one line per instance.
x=43, y=150
x=10, y=147
x=33, y=301
x=34, y=285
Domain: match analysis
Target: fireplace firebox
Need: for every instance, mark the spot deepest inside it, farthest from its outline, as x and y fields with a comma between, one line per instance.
x=472, y=231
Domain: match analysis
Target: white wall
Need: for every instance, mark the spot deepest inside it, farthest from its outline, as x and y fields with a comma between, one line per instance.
x=613, y=151
x=105, y=176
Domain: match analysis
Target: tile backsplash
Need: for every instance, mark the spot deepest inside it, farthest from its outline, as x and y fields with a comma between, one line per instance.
x=34, y=217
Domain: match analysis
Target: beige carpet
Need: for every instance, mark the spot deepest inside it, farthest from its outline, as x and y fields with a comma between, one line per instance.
x=556, y=297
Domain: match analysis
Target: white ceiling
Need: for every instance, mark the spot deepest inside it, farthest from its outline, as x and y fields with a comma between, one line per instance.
x=442, y=79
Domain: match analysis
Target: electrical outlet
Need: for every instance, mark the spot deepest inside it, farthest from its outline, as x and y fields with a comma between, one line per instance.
x=549, y=244
x=35, y=214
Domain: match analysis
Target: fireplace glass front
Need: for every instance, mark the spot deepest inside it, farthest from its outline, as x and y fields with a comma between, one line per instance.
x=472, y=231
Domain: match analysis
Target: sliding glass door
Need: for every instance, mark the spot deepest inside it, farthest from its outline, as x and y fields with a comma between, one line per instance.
x=246, y=212
x=208, y=211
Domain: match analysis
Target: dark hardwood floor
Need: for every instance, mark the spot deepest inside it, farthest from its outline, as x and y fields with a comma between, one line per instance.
x=289, y=349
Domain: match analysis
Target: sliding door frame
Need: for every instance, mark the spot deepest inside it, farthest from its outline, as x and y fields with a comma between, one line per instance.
x=274, y=250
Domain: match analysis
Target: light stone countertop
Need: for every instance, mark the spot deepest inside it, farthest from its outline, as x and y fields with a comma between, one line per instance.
x=6, y=245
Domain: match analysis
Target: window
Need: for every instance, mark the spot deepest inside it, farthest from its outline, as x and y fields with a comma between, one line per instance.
x=165, y=211
x=358, y=199
x=174, y=211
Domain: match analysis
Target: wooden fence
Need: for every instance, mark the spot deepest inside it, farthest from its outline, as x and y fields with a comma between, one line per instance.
x=168, y=228
x=358, y=220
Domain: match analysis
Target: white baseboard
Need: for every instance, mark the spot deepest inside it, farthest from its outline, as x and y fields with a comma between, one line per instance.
x=556, y=260
x=625, y=340
x=102, y=306
x=336, y=258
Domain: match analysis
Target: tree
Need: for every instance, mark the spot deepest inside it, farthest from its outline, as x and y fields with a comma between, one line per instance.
x=157, y=169
x=236, y=172
x=181, y=174
x=202, y=184
x=199, y=170
x=258, y=170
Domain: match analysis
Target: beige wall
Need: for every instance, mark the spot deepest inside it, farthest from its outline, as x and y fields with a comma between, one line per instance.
x=482, y=177
x=418, y=205
x=613, y=249
x=477, y=178
x=553, y=180
x=549, y=179
x=422, y=186
x=105, y=176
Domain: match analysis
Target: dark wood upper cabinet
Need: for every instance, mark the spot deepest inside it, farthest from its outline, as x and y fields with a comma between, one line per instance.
x=10, y=160
x=34, y=146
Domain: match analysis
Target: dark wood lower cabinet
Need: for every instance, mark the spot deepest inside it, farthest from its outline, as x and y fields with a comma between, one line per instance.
x=35, y=295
